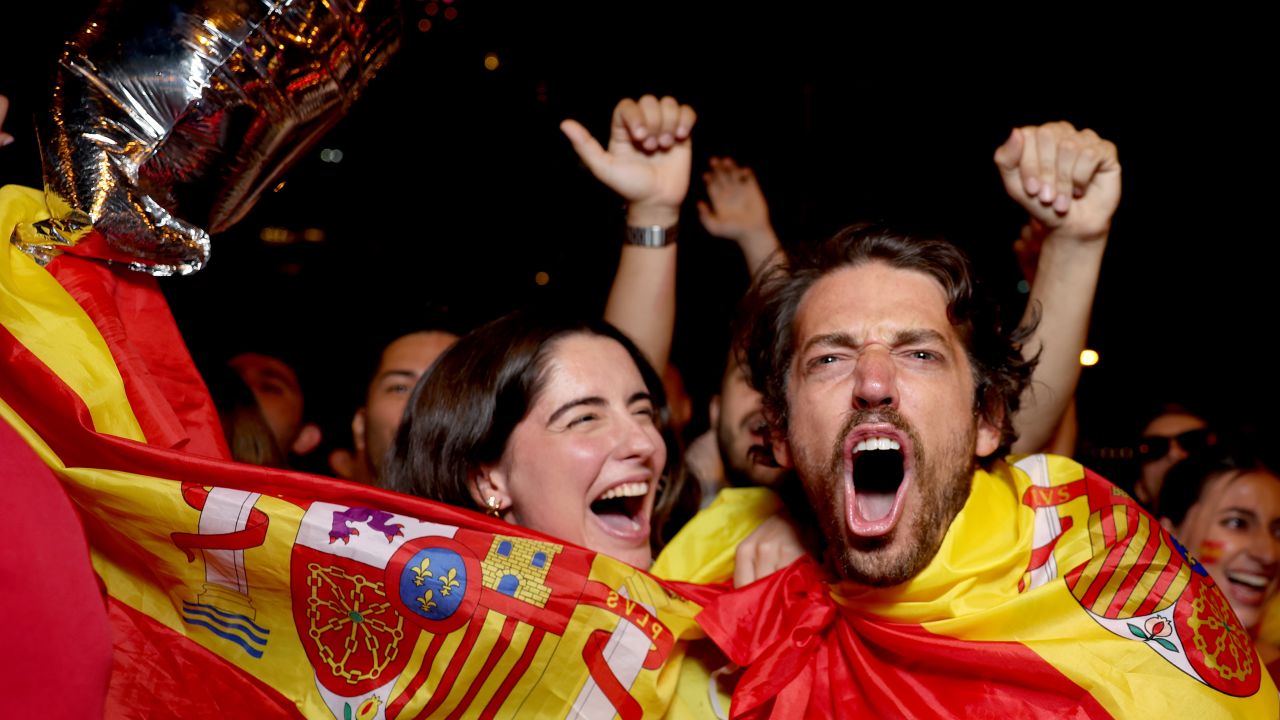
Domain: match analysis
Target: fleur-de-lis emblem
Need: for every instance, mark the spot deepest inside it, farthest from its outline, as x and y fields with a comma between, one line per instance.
x=421, y=573
x=1155, y=629
x=425, y=602
x=449, y=582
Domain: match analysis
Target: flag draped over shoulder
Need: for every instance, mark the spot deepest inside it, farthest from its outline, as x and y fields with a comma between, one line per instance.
x=1052, y=595
x=241, y=591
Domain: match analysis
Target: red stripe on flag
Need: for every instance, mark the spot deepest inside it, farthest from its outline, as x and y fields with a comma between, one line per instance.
x=1139, y=569
x=495, y=654
x=1114, y=558
x=1167, y=576
x=517, y=671
x=456, y=662
x=168, y=396
x=57, y=657
x=593, y=654
x=424, y=669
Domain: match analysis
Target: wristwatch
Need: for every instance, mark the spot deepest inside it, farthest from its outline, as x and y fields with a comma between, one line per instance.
x=651, y=236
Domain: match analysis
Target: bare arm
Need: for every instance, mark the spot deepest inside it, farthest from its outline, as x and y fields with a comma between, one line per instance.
x=1068, y=180
x=647, y=162
x=736, y=210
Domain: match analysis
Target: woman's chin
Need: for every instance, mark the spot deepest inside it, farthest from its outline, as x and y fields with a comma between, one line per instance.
x=635, y=555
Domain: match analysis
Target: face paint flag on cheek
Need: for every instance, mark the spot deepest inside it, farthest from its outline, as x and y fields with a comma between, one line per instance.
x=170, y=119
x=1210, y=551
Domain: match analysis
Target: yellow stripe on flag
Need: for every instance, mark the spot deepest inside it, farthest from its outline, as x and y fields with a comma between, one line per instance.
x=52, y=326
x=1148, y=581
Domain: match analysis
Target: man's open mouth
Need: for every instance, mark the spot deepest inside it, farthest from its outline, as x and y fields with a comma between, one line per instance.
x=878, y=471
x=621, y=508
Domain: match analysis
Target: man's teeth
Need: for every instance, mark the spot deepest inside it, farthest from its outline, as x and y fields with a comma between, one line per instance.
x=632, y=489
x=1257, y=582
x=877, y=443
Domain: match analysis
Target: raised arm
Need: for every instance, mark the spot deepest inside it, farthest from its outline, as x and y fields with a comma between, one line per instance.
x=1068, y=180
x=647, y=162
x=736, y=210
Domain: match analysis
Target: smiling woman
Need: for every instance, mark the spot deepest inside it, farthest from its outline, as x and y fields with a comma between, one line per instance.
x=554, y=425
x=1226, y=510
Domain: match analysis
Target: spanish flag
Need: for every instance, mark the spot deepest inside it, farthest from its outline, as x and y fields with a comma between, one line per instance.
x=1053, y=595
x=240, y=591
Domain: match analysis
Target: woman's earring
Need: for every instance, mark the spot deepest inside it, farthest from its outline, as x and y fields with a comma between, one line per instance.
x=494, y=507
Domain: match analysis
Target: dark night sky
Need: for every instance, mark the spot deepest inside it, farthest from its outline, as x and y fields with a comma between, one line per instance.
x=456, y=187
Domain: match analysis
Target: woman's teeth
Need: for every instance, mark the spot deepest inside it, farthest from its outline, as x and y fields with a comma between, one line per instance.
x=632, y=489
x=1257, y=582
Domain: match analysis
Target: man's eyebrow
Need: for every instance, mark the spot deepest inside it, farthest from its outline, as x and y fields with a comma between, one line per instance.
x=592, y=401
x=834, y=339
x=909, y=336
x=915, y=336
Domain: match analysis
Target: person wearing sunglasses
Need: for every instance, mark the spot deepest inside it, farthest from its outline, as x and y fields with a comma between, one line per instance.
x=1174, y=434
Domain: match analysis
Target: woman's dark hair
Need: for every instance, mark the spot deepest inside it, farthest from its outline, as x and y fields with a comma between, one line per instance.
x=1000, y=372
x=1185, y=482
x=466, y=406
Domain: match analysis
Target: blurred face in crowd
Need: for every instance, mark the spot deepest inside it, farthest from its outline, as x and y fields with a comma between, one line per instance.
x=403, y=362
x=881, y=422
x=1177, y=435
x=740, y=426
x=1234, y=530
x=276, y=388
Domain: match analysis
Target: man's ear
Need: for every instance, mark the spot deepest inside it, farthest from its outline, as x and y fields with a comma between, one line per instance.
x=308, y=439
x=988, y=439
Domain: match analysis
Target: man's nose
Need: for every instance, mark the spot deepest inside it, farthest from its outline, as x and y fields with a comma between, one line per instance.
x=874, y=382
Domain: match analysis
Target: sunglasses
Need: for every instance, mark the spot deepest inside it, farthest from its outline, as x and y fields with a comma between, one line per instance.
x=1193, y=442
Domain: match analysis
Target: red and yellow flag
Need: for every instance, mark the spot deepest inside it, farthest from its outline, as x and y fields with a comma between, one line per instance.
x=1052, y=595
x=240, y=591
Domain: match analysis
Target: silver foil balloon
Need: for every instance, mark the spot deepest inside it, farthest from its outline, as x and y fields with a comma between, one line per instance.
x=170, y=118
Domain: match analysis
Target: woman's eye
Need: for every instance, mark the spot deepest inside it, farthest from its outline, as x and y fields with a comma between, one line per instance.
x=1235, y=523
x=582, y=419
x=645, y=411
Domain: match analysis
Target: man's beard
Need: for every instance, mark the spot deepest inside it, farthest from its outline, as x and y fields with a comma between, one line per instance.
x=940, y=488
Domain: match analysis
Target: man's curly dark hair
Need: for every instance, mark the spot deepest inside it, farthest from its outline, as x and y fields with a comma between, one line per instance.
x=767, y=341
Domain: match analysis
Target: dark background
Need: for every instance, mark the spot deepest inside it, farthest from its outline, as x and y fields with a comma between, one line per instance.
x=455, y=186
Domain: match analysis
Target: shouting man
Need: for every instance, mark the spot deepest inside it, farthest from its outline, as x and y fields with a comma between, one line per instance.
x=957, y=583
